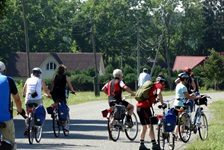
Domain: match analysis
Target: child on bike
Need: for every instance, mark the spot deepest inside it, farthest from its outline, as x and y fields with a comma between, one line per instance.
x=114, y=91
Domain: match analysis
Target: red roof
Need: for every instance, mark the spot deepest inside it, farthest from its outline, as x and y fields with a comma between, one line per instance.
x=187, y=61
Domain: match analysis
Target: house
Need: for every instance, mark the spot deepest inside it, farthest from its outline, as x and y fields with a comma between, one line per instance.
x=187, y=61
x=48, y=62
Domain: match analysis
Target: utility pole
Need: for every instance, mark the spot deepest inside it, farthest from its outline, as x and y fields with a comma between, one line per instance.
x=138, y=53
x=26, y=38
x=96, y=86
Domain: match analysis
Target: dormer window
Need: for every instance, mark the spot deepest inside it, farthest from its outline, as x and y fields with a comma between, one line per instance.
x=51, y=66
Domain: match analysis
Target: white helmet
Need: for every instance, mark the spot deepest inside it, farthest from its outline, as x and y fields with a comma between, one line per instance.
x=36, y=70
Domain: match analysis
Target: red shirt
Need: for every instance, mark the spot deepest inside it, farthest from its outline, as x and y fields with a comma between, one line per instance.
x=152, y=96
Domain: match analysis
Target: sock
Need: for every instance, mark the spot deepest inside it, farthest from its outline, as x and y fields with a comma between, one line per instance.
x=142, y=142
x=153, y=142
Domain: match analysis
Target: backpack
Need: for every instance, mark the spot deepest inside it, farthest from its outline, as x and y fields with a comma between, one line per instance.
x=170, y=120
x=142, y=92
x=63, y=111
x=39, y=115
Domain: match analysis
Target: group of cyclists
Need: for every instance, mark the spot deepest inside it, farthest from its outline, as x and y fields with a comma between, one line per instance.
x=32, y=92
x=185, y=89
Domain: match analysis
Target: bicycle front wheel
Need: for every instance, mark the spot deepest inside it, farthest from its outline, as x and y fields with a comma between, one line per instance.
x=161, y=137
x=56, y=125
x=171, y=140
x=67, y=124
x=113, y=128
x=132, y=131
x=203, y=127
x=30, y=130
x=184, y=127
x=38, y=133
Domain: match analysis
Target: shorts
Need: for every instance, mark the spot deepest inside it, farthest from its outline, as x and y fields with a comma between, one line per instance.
x=125, y=103
x=144, y=115
x=38, y=102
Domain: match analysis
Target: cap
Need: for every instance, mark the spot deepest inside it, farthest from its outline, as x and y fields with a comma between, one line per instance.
x=145, y=70
x=2, y=66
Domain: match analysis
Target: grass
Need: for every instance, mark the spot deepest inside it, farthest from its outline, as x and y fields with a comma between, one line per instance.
x=215, y=139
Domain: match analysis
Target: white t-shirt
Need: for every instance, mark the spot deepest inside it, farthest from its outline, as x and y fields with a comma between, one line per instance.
x=33, y=84
x=143, y=77
x=180, y=89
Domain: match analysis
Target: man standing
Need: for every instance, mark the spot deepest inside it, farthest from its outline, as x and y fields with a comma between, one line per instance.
x=144, y=76
x=7, y=88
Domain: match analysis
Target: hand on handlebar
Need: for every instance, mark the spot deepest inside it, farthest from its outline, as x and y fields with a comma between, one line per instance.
x=73, y=92
x=133, y=94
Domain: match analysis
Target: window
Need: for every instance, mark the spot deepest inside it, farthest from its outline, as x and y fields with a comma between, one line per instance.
x=51, y=66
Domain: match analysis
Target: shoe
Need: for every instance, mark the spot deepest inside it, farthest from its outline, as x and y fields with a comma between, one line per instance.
x=65, y=128
x=26, y=132
x=129, y=124
x=155, y=147
x=142, y=147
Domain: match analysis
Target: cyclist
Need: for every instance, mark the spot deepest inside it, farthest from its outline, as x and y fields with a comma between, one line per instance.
x=144, y=113
x=7, y=88
x=32, y=91
x=58, y=87
x=114, y=91
x=182, y=94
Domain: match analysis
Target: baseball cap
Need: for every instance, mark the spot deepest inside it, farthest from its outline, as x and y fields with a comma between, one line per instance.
x=145, y=70
x=2, y=66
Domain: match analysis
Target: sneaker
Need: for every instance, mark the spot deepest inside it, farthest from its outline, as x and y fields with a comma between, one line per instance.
x=129, y=124
x=142, y=147
x=155, y=147
x=26, y=132
x=65, y=128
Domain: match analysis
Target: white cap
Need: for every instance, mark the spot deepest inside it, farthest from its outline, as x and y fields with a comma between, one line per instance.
x=2, y=66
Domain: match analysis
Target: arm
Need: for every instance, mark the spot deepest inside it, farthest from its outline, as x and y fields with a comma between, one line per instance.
x=45, y=88
x=126, y=88
x=160, y=96
x=24, y=89
x=193, y=84
x=104, y=89
x=18, y=102
x=191, y=96
x=70, y=85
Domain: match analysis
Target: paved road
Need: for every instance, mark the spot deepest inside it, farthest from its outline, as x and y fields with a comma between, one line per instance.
x=88, y=130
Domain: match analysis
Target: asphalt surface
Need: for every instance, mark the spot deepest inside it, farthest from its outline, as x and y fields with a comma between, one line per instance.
x=88, y=130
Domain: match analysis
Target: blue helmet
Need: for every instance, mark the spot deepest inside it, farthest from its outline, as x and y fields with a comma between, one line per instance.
x=183, y=76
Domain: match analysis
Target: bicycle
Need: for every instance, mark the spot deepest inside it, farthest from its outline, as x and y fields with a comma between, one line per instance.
x=186, y=125
x=116, y=124
x=58, y=124
x=34, y=131
x=165, y=137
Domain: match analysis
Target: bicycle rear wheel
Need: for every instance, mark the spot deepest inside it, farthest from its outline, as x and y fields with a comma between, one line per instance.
x=56, y=125
x=113, y=129
x=132, y=132
x=38, y=133
x=203, y=127
x=67, y=122
x=184, y=126
x=161, y=137
x=31, y=133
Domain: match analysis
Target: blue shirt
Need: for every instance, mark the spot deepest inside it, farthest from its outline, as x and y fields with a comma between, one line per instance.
x=7, y=86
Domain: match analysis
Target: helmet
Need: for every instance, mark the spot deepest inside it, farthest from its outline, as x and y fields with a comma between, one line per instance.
x=37, y=70
x=145, y=70
x=183, y=76
x=187, y=70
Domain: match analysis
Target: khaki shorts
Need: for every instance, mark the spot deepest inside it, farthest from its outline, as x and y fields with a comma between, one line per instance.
x=8, y=133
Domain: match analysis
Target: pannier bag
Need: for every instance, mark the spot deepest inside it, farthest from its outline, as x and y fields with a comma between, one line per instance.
x=119, y=112
x=63, y=111
x=104, y=113
x=170, y=120
x=49, y=110
x=39, y=115
x=142, y=92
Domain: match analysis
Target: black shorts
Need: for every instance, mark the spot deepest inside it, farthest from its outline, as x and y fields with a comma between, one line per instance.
x=144, y=115
x=125, y=103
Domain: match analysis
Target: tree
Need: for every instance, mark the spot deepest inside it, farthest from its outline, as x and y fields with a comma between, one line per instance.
x=213, y=69
x=2, y=7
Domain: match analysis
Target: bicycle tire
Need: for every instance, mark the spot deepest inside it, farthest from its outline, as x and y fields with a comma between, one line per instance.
x=203, y=128
x=113, y=130
x=66, y=132
x=38, y=133
x=56, y=125
x=161, y=137
x=132, y=132
x=171, y=141
x=31, y=133
x=184, y=130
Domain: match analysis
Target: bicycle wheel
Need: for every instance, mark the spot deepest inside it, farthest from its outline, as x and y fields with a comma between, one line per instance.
x=161, y=137
x=184, y=126
x=67, y=122
x=113, y=129
x=31, y=133
x=56, y=125
x=38, y=133
x=170, y=140
x=203, y=127
x=132, y=132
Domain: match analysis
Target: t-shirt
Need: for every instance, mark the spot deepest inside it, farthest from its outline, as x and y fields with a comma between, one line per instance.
x=180, y=89
x=152, y=96
x=143, y=77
